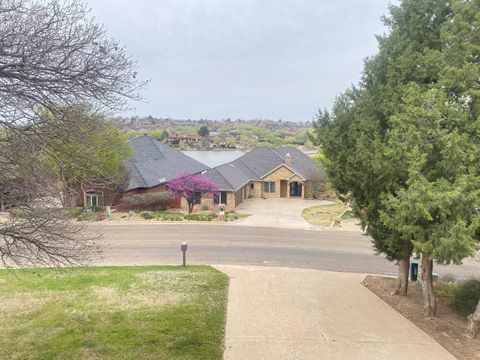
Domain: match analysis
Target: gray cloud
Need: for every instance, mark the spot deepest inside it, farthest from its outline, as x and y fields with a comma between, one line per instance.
x=243, y=58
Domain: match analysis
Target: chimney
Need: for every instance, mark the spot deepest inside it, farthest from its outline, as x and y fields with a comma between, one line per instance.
x=287, y=159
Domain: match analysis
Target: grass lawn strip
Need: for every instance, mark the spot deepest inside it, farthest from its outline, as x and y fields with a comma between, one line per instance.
x=149, y=312
x=323, y=215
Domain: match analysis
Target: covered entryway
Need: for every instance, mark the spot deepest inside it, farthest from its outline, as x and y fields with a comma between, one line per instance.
x=296, y=189
x=283, y=188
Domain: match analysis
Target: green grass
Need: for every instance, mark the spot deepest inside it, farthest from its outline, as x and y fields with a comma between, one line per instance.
x=348, y=215
x=150, y=312
x=174, y=216
x=232, y=216
x=323, y=215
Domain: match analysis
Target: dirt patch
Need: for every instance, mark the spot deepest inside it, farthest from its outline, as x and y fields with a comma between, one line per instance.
x=447, y=328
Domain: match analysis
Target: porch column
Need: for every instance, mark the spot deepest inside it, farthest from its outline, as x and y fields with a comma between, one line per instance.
x=288, y=189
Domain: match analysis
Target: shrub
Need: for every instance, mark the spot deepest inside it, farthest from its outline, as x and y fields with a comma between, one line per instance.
x=448, y=291
x=76, y=213
x=81, y=214
x=200, y=217
x=147, y=216
x=447, y=278
x=466, y=298
x=153, y=201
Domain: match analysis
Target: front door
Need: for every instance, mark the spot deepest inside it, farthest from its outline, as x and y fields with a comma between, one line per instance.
x=283, y=188
x=295, y=189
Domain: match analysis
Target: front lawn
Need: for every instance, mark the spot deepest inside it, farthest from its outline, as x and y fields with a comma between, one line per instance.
x=148, y=312
x=324, y=215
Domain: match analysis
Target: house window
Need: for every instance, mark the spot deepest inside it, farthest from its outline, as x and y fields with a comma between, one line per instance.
x=93, y=200
x=252, y=186
x=269, y=186
x=220, y=198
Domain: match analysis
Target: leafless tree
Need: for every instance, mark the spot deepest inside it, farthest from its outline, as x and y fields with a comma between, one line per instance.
x=319, y=180
x=52, y=56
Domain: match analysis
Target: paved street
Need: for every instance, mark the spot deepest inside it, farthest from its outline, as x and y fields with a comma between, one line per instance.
x=346, y=251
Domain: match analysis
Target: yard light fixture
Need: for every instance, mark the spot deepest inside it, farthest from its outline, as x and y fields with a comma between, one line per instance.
x=183, y=247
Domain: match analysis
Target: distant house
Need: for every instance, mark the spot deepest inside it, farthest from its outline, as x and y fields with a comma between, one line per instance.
x=284, y=172
x=152, y=165
x=189, y=139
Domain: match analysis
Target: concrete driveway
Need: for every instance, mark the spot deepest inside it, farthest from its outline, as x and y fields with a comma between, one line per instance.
x=278, y=213
x=298, y=314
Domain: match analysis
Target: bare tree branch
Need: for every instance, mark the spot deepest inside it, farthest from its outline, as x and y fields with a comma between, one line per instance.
x=53, y=56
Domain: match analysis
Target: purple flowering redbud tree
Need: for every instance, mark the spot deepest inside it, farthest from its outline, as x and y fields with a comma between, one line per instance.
x=192, y=188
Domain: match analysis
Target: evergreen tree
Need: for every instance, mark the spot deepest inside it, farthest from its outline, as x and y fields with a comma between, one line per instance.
x=203, y=131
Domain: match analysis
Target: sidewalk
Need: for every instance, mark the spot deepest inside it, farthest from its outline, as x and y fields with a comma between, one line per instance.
x=284, y=314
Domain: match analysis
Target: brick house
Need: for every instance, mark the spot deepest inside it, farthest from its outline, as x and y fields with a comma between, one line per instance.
x=151, y=166
x=284, y=172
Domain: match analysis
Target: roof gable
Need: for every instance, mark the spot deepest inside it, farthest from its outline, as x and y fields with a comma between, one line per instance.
x=279, y=167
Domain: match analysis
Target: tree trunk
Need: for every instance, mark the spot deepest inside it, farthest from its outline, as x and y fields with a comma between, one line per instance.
x=401, y=287
x=473, y=326
x=429, y=300
x=190, y=207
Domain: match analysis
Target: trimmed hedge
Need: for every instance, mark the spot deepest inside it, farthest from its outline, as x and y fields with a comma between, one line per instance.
x=153, y=201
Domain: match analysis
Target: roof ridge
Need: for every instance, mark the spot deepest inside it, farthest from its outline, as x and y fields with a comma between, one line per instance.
x=244, y=163
x=281, y=157
x=224, y=178
x=155, y=141
x=140, y=173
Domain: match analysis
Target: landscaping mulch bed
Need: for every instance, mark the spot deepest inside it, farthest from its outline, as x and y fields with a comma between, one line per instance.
x=447, y=328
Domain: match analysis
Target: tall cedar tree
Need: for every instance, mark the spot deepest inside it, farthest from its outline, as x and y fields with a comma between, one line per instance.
x=354, y=138
x=403, y=146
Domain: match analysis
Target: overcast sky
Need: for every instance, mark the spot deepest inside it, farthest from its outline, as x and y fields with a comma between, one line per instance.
x=276, y=59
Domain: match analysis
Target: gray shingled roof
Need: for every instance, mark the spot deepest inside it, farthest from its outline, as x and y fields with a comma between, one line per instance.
x=257, y=163
x=154, y=163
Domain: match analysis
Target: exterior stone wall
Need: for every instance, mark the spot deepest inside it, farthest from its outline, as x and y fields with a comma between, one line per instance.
x=257, y=190
x=207, y=202
x=295, y=178
x=230, y=201
x=308, y=189
x=282, y=173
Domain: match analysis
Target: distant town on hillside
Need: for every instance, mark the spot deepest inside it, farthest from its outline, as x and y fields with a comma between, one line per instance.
x=226, y=133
